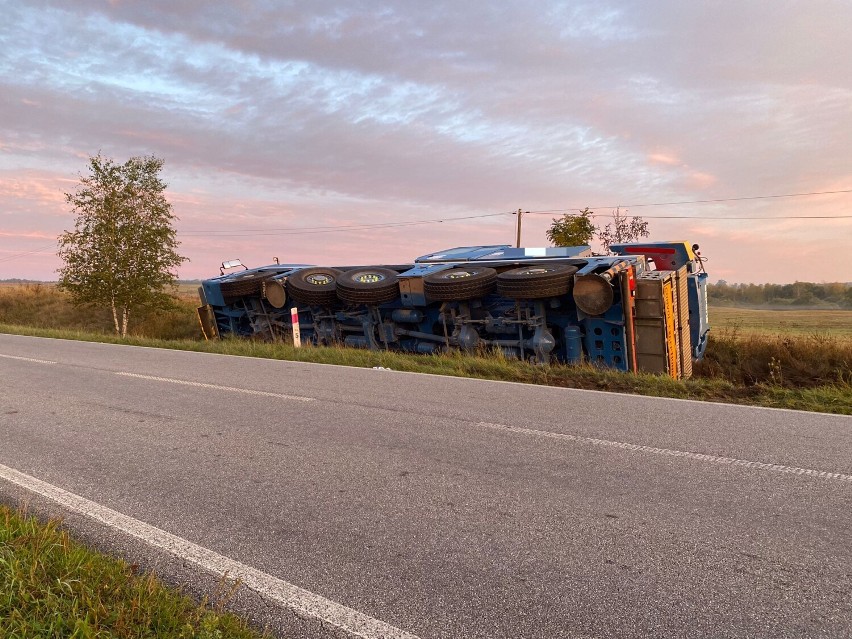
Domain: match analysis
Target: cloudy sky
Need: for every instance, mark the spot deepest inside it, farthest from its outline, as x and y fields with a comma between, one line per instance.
x=365, y=132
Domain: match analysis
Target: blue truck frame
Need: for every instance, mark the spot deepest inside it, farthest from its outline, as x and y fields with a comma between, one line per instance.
x=544, y=305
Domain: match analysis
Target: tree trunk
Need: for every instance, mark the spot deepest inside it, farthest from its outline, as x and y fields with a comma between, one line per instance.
x=125, y=316
x=115, y=319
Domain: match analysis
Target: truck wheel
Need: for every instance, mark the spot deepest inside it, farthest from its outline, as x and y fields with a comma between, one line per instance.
x=368, y=285
x=315, y=286
x=240, y=285
x=460, y=283
x=536, y=281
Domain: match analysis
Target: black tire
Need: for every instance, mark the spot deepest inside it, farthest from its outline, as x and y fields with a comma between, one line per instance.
x=241, y=284
x=368, y=285
x=536, y=281
x=316, y=286
x=460, y=283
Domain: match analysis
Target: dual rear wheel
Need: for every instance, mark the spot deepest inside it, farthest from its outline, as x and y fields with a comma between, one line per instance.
x=323, y=286
x=527, y=282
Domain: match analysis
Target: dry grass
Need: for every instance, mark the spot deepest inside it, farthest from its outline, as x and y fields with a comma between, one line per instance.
x=785, y=360
x=782, y=322
x=44, y=306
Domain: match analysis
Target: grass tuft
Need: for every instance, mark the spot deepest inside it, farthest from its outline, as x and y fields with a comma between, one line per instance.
x=787, y=361
x=52, y=586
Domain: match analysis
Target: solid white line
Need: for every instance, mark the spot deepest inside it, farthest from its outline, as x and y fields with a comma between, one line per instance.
x=638, y=448
x=28, y=359
x=301, y=601
x=232, y=389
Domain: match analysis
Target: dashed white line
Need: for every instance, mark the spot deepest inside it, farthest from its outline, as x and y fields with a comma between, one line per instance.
x=639, y=448
x=232, y=389
x=302, y=602
x=28, y=359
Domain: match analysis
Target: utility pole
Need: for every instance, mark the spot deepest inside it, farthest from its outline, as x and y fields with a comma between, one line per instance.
x=519, y=214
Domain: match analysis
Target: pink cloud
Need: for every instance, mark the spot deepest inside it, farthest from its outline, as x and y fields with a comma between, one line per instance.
x=38, y=235
x=315, y=114
x=700, y=180
x=664, y=157
x=35, y=186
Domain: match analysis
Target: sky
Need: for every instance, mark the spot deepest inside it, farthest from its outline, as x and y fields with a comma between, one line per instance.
x=368, y=132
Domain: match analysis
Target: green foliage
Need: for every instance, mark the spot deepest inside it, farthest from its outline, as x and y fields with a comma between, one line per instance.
x=578, y=230
x=622, y=229
x=572, y=230
x=122, y=252
x=51, y=586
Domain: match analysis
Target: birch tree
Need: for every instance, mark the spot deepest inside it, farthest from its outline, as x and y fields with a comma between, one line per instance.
x=623, y=229
x=122, y=253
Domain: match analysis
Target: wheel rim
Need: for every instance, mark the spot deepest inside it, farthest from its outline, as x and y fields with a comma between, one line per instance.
x=319, y=279
x=369, y=278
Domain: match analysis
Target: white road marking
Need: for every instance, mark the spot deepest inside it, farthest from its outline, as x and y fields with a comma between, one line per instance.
x=301, y=601
x=28, y=359
x=638, y=448
x=232, y=389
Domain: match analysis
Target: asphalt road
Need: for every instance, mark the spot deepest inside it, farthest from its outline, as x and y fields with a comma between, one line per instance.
x=447, y=507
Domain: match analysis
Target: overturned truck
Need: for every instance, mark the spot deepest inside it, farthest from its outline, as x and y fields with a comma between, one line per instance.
x=642, y=309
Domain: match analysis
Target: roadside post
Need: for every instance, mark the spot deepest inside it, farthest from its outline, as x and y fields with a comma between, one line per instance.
x=294, y=318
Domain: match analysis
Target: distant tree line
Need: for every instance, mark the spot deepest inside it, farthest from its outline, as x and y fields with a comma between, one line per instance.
x=835, y=294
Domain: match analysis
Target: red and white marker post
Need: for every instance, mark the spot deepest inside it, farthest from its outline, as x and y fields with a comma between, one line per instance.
x=294, y=319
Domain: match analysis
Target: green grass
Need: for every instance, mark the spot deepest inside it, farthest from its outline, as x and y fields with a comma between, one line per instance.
x=736, y=370
x=52, y=586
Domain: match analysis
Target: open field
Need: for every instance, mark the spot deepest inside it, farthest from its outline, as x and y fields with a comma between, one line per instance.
x=782, y=322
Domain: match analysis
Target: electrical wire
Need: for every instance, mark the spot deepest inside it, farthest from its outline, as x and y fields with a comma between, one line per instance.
x=310, y=230
x=713, y=201
x=25, y=253
x=734, y=218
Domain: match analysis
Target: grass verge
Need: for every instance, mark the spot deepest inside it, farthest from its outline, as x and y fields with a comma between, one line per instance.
x=52, y=586
x=719, y=378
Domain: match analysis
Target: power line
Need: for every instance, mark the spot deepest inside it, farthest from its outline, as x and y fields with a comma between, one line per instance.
x=713, y=201
x=25, y=253
x=712, y=217
x=310, y=230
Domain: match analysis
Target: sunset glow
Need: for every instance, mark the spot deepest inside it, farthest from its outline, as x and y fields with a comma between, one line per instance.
x=362, y=132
